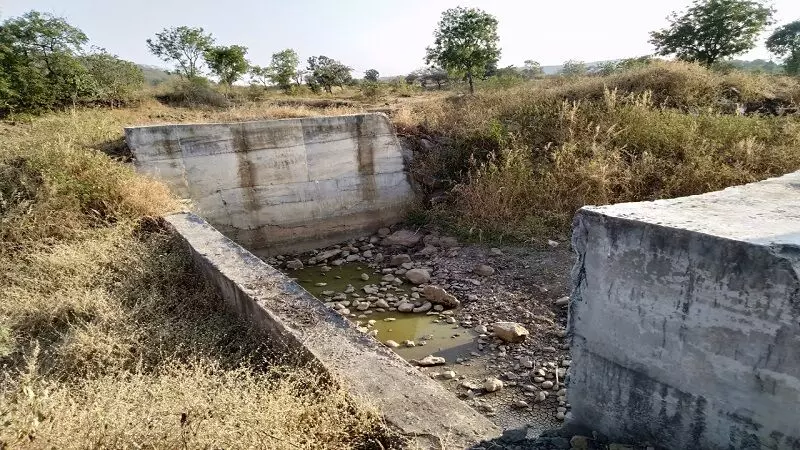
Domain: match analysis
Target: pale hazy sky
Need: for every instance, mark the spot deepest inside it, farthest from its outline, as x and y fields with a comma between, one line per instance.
x=389, y=36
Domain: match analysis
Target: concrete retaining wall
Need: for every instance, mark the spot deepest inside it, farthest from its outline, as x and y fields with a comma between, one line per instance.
x=417, y=406
x=685, y=319
x=282, y=185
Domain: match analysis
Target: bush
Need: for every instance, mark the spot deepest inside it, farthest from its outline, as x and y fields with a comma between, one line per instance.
x=195, y=92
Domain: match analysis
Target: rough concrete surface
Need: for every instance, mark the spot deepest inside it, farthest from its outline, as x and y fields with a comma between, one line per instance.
x=685, y=319
x=414, y=404
x=281, y=185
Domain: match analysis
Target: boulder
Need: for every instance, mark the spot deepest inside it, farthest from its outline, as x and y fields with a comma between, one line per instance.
x=403, y=238
x=398, y=260
x=448, y=242
x=383, y=232
x=437, y=295
x=405, y=307
x=430, y=360
x=294, y=264
x=424, y=308
x=492, y=384
x=327, y=254
x=483, y=270
x=418, y=276
x=510, y=331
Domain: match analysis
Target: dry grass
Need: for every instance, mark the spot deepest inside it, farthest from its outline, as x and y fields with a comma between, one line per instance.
x=108, y=337
x=524, y=159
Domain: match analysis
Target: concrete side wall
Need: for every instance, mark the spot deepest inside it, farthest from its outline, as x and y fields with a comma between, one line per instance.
x=282, y=184
x=685, y=319
x=415, y=405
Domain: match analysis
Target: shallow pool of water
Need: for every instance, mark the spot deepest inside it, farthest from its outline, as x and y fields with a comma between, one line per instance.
x=431, y=333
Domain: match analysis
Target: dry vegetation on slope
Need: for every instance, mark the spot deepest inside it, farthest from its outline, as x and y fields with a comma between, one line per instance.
x=522, y=160
x=108, y=338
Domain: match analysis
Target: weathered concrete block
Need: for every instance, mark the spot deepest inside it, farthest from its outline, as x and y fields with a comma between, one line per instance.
x=415, y=405
x=685, y=319
x=282, y=185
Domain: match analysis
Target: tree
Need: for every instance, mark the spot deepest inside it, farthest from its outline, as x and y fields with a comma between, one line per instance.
x=40, y=68
x=532, y=69
x=261, y=75
x=785, y=42
x=227, y=63
x=116, y=80
x=283, y=68
x=185, y=46
x=326, y=72
x=371, y=75
x=712, y=29
x=465, y=43
x=573, y=68
x=606, y=68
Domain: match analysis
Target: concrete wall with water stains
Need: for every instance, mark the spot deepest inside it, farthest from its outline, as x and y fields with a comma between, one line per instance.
x=282, y=185
x=685, y=319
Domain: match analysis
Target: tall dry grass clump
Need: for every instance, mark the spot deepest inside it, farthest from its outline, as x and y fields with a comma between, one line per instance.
x=108, y=337
x=524, y=160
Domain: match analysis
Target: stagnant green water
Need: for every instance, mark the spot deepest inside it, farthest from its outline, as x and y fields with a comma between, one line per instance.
x=432, y=335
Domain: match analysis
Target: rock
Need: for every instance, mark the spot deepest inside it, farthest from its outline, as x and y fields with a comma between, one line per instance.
x=483, y=270
x=481, y=329
x=448, y=375
x=520, y=404
x=547, y=384
x=404, y=238
x=418, y=276
x=381, y=303
x=566, y=362
x=451, y=320
x=391, y=344
x=294, y=264
x=560, y=416
x=424, y=308
x=328, y=254
x=510, y=331
x=352, y=258
x=526, y=363
x=430, y=360
x=563, y=301
x=431, y=240
x=370, y=290
x=495, y=251
x=409, y=343
x=405, y=307
x=439, y=296
x=399, y=260
x=552, y=243
x=383, y=232
x=388, y=277
x=363, y=306
x=448, y=242
x=579, y=443
x=365, y=277
x=492, y=384
x=407, y=266
x=541, y=396
x=367, y=254
x=427, y=251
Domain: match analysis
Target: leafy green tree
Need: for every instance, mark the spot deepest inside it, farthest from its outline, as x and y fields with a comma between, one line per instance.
x=371, y=75
x=532, y=69
x=606, y=68
x=184, y=46
x=40, y=68
x=465, y=43
x=634, y=63
x=573, y=68
x=227, y=63
x=327, y=72
x=116, y=80
x=260, y=75
x=712, y=29
x=283, y=68
x=785, y=42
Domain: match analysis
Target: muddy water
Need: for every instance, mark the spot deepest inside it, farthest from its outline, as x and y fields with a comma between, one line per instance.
x=430, y=332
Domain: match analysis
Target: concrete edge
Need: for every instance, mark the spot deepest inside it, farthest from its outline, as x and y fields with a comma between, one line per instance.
x=285, y=119
x=413, y=404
